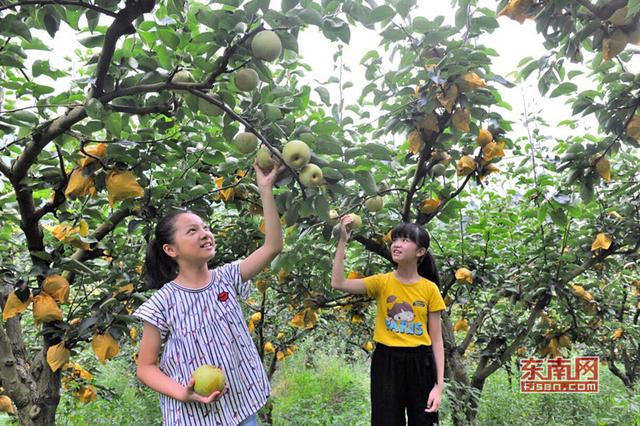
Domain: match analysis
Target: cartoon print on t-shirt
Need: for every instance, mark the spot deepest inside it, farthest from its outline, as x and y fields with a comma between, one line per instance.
x=400, y=318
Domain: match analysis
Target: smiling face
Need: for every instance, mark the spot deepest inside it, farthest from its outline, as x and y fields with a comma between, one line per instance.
x=404, y=250
x=192, y=240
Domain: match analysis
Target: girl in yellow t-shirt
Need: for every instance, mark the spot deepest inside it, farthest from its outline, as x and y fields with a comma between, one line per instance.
x=407, y=367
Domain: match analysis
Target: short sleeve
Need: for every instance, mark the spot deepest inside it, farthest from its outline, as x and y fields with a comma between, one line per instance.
x=153, y=312
x=373, y=284
x=435, y=300
x=229, y=276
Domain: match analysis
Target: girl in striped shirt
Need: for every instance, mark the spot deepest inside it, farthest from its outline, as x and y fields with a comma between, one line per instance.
x=195, y=319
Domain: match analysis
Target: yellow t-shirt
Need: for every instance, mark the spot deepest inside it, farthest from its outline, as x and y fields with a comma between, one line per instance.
x=402, y=309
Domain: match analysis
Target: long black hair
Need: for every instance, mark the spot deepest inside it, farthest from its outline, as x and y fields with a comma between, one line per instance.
x=427, y=267
x=159, y=267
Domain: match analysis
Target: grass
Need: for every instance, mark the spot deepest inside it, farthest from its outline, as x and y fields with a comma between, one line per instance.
x=503, y=404
x=316, y=387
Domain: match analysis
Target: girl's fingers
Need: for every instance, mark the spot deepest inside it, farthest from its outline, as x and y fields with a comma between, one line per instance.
x=432, y=404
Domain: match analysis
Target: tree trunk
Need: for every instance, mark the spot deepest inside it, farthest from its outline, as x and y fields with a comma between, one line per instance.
x=32, y=386
x=456, y=372
x=40, y=408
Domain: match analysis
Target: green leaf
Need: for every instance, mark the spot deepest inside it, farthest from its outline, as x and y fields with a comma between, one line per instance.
x=272, y=112
x=334, y=27
x=9, y=61
x=332, y=174
x=291, y=216
x=393, y=34
x=311, y=16
x=113, y=123
x=563, y=89
x=35, y=44
x=169, y=37
x=558, y=217
x=92, y=41
x=208, y=17
x=404, y=6
x=586, y=192
x=378, y=152
x=324, y=95
x=381, y=13
x=94, y=108
x=92, y=19
x=76, y=266
x=25, y=117
x=366, y=181
x=287, y=5
x=322, y=208
x=230, y=131
x=288, y=41
x=18, y=27
x=421, y=24
x=51, y=23
x=41, y=67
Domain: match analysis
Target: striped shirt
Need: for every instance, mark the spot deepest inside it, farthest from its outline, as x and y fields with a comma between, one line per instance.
x=206, y=326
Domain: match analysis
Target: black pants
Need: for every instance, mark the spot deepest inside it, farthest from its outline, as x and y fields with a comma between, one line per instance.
x=401, y=379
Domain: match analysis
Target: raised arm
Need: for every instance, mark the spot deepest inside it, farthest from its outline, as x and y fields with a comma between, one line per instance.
x=259, y=259
x=338, y=281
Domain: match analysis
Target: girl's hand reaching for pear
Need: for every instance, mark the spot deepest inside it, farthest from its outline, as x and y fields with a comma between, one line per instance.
x=264, y=179
x=346, y=226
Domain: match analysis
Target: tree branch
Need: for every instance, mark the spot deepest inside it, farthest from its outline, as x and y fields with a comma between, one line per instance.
x=250, y=128
x=425, y=218
x=477, y=323
x=103, y=230
x=166, y=109
x=58, y=194
x=60, y=2
x=374, y=247
x=417, y=176
x=223, y=61
x=120, y=26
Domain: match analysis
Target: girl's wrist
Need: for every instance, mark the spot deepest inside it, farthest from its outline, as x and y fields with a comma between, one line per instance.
x=184, y=395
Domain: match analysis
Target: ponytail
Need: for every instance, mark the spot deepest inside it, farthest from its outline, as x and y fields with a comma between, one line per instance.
x=159, y=267
x=428, y=269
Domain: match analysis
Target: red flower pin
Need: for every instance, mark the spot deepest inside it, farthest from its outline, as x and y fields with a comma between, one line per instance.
x=223, y=296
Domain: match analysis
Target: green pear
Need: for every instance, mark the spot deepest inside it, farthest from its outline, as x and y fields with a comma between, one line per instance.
x=311, y=175
x=208, y=379
x=182, y=76
x=208, y=108
x=246, y=79
x=296, y=154
x=334, y=217
x=266, y=45
x=264, y=160
x=356, y=221
x=438, y=169
x=374, y=204
x=246, y=142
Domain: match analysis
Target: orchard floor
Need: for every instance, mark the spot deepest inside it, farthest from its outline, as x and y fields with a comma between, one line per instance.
x=314, y=389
